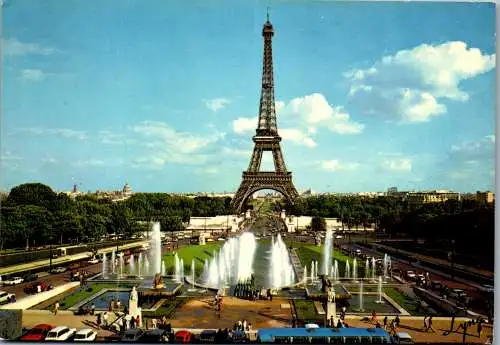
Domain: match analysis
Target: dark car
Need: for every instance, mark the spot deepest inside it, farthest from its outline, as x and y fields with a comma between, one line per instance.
x=208, y=336
x=30, y=277
x=33, y=288
x=132, y=335
x=155, y=335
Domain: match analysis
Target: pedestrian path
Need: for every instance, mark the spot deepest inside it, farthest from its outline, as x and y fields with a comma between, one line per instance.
x=297, y=266
x=32, y=300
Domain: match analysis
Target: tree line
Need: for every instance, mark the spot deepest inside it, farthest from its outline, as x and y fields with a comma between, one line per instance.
x=34, y=215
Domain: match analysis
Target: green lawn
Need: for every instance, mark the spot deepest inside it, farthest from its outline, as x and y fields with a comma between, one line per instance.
x=306, y=312
x=188, y=253
x=404, y=301
x=167, y=309
x=85, y=292
x=308, y=252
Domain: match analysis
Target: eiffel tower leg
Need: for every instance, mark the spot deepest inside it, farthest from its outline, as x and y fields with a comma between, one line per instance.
x=256, y=159
x=279, y=162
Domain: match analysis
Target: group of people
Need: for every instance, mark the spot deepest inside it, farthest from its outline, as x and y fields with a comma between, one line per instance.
x=122, y=324
x=428, y=324
x=392, y=326
x=86, y=310
x=218, y=302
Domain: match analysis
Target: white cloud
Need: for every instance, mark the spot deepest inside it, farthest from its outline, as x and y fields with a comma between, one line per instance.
x=472, y=150
x=207, y=170
x=409, y=84
x=244, y=125
x=399, y=164
x=64, y=132
x=12, y=46
x=315, y=111
x=297, y=136
x=236, y=152
x=216, y=104
x=171, y=146
x=33, y=75
x=8, y=156
x=336, y=165
x=49, y=160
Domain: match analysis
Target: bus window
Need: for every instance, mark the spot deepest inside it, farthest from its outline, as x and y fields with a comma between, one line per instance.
x=366, y=340
x=352, y=340
x=318, y=340
x=299, y=340
x=377, y=340
x=337, y=340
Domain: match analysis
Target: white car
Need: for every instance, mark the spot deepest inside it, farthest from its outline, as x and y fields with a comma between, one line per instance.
x=13, y=281
x=402, y=338
x=5, y=297
x=61, y=333
x=93, y=261
x=411, y=274
x=59, y=270
x=85, y=334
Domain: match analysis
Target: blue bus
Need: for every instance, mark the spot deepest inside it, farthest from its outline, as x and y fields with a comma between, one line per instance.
x=323, y=336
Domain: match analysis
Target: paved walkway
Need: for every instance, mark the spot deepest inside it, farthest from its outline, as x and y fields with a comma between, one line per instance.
x=65, y=259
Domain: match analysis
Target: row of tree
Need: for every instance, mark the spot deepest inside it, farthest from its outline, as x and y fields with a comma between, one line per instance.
x=34, y=215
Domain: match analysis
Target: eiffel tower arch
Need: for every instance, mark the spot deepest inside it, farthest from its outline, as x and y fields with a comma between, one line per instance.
x=266, y=139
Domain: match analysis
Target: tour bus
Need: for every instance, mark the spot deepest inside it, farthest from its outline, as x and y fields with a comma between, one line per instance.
x=323, y=336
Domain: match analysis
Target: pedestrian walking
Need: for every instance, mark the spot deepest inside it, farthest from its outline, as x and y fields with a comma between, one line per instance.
x=452, y=322
x=374, y=316
x=397, y=320
x=138, y=321
x=98, y=321
x=385, y=323
x=479, y=328
x=429, y=325
x=56, y=308
x=92, y=309
x=425, y=324
x=132, y=322
x=105, y=319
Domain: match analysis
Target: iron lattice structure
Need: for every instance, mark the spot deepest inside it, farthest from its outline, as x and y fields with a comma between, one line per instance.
x=266, y=139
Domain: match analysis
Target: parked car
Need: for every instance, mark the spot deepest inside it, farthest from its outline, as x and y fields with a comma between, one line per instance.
x=37, y=333
x=155, y=335
x=436, y=285
x=410, y=275
x=6, y=297
x=59, y=269
x=30, y=277
x=93, y=261
x=61, y=333
x=132, y=335
x=457, y=293
x=13, y=281
x=33, y=288
x=85, y=334
x=402, y=338
x=183, y=337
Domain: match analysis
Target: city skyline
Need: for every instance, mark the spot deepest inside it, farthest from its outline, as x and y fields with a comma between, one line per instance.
x=369, y=95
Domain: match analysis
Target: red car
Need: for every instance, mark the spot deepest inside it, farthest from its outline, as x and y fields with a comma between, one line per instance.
x=37, y=333
x=32, y=289
x=183, y=337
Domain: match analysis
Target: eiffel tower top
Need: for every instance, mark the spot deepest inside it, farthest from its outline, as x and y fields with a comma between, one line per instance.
x=267, y=114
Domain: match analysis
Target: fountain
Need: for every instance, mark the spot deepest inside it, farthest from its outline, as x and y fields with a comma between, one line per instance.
x=281, y=265
x=361, y=296
x=146, y=265
x=312, y=271
x=177, y=272
x=163, y=269
x=182, y=270
x=387, y=263
x=131, y=265
x=316, y=270
x=105, y=266
x=379, y=300
x=139, y=265
x=327, y=251
x=374, y=268
x=155, y=251
x=355, y=270
x=121, y=264
x=367, y=269
x=335, y=271
x=347, y=270
x=233, y=263
x=193, y=270
x=113, y=261
x=304, y=275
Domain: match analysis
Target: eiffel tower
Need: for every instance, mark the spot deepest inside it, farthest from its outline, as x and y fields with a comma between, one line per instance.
x=266, y=139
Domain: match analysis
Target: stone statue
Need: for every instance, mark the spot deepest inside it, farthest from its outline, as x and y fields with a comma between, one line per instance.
x=331, y=295
x=158, y=281
x=133, y=294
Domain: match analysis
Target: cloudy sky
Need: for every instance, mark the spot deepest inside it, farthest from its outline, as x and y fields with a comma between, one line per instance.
x=164, y=94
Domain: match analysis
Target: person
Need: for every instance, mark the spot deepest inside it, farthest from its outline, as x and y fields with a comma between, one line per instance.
x=339, y=324
x=92, y=309
x=332, y=322
x=452, y=322
x=138, y=321
x=385, y=323
x=154, y=323
x=98, y=321
x=397, y=320
x=479, y=328
x=56, y=308
x=374, y=316
x=425, y=324
x=132, y=322
x=294, y=322
x=105, y=319
x=429, y=324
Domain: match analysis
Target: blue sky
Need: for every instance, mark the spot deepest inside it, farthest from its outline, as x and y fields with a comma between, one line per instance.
x=165, y=94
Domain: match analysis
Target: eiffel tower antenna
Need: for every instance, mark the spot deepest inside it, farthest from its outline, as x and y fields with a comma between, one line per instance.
x=267, y=139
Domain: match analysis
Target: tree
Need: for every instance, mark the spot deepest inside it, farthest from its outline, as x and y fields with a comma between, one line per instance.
x=318, y=224
x=36, y=194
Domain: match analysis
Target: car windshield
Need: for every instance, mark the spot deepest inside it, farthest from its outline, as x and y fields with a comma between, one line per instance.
x=52, y=335
x=37, y=331
x=80, y=336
